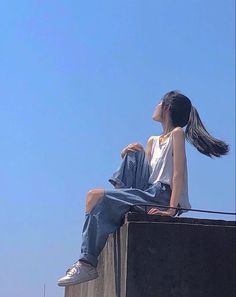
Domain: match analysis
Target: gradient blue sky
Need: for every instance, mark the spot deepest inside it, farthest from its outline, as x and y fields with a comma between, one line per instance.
x=79, y=82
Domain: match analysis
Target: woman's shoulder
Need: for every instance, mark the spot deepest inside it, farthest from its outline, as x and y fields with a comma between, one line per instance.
x=152, y=138
x=178, y=130
x=178, y=133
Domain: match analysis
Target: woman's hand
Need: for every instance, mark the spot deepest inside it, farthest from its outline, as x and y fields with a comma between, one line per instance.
x=131, y=147
x=169, y=212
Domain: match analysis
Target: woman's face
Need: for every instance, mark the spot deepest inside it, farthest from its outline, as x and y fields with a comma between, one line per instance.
x=157, y=113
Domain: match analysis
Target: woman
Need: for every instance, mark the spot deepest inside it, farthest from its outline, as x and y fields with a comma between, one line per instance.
x=157, y=176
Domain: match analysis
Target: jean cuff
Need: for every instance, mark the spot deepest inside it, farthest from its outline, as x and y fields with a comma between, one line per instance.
x=90, y=258
x=116, y=181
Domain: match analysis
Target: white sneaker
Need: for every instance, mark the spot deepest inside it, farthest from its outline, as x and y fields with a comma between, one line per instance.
x=78, y=273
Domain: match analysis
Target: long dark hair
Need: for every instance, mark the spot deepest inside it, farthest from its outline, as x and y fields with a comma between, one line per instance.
x=183, y=113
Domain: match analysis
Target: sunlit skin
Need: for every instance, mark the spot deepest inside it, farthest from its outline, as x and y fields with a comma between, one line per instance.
x=94, y=195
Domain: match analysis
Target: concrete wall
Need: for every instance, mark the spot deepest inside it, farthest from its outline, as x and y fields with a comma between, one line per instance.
x=111, y=265
x=152, y=256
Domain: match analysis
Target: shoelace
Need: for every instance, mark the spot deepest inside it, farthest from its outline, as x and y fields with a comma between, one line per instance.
x=74, y=268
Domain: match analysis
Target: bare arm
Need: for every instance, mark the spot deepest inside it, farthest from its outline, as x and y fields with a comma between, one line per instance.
x=179, y=159
x=149, y=147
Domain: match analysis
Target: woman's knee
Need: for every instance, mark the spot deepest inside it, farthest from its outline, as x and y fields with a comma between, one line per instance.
x=93, y=196
x=94, y=193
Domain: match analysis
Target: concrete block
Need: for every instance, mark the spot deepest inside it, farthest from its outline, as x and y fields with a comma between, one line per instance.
x=154, y=256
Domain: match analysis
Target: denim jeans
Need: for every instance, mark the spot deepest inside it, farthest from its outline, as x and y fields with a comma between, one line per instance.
x=131, y=187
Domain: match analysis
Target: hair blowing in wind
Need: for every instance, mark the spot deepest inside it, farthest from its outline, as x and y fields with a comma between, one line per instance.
x=183, y=113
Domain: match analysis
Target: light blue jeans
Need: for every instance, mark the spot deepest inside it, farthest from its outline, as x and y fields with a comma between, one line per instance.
x=131, y=188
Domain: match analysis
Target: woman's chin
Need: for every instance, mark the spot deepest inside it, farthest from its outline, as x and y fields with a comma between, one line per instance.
x=155, y=119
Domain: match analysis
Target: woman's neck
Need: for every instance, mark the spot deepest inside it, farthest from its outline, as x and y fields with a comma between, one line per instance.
x=167, y=129
x=167, y=124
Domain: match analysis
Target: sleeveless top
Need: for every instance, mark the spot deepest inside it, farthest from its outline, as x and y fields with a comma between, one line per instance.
x=162, y=168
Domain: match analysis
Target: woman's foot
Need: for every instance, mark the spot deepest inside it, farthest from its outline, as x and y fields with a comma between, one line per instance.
x=78, y=273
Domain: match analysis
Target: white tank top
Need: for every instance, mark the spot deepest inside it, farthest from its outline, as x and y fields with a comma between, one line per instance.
x=162, y=168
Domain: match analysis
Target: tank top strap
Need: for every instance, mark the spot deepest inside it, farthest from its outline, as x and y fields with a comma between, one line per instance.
x=160, y=145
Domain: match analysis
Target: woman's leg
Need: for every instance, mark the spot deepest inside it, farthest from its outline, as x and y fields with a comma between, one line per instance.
x=133, y=172
x=106, y=209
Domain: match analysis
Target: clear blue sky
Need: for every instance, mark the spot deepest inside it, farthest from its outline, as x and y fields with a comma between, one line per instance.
x=79, y=82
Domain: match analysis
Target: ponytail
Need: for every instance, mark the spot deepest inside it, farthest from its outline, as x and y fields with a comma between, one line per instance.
x=198, y=136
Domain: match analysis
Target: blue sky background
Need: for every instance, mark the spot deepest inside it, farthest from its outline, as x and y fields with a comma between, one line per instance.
x=79, y=82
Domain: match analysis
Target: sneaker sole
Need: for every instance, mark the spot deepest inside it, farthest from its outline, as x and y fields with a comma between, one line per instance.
x=76, y=282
